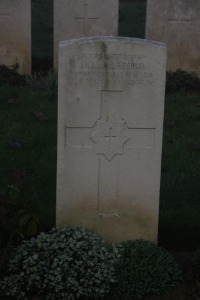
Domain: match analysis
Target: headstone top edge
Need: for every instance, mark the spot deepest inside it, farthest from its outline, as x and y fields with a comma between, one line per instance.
x=109, y=39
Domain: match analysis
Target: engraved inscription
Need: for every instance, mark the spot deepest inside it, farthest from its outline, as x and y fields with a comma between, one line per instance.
x=86, y=18
x=179, y=20
x=121, y=69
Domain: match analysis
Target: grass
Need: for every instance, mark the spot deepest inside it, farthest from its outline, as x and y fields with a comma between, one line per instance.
x=179, y=223
x=180, y=189
x=37, y=156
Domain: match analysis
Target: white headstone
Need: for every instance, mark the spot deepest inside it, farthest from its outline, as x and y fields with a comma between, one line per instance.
x=176, y=23
x=15, y=34
x=110, y=119
x=83, y=18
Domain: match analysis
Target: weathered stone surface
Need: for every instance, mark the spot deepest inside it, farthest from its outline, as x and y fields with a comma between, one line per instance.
x=110, y=118
x=176, y=23
x=15, y=34
x=83, y=18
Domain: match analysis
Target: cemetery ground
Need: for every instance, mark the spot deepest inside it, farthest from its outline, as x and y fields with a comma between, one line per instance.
x=28, y=118
x=28, y=115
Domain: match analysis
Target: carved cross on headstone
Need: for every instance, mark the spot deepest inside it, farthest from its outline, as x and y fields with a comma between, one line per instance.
x=109, y=137
x=86, y=18
x=179, y=20
x=109, y=134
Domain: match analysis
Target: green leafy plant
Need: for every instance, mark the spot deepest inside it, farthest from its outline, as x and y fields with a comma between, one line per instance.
x=40, y=82
x=144, y=269
x=182, y=81
x=65, y=263
x=16, y=221
x=15, y=218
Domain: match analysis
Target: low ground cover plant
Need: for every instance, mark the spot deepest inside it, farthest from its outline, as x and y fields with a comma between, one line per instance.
x=144, y=269
x=182, y=81
x=72, y=263
x=66, y=263
x=42, y=82
x=17, y=221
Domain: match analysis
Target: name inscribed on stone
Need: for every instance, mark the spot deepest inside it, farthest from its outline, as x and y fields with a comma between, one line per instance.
x=124, y=69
